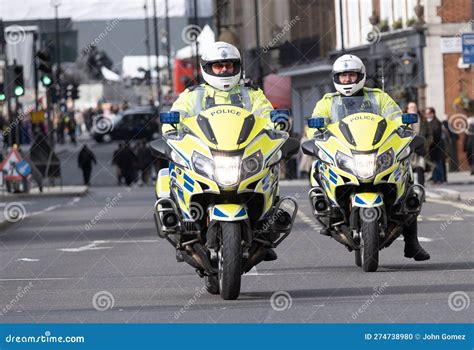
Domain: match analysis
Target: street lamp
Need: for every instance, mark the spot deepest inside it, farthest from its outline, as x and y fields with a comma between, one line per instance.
x=56, y=4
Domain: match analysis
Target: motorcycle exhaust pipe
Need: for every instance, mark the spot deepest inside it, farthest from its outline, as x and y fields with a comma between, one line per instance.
x=255, y=258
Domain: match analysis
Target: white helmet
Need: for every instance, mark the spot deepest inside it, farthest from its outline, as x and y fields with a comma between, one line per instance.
x=221, y=52
x=348, y=63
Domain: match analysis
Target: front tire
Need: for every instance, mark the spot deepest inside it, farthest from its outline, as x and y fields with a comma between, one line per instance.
x=369, y=248
x=230, y=260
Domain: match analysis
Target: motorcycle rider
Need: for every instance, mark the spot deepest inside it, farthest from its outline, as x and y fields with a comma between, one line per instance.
x=349, y=79
x=221, y=68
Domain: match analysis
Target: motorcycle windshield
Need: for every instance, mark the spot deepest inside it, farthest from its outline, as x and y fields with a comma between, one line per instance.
x=225, y=127
x=345, y=106
x=363, y=131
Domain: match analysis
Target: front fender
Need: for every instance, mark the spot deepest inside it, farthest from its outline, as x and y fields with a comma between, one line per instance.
x=228, y=212
x=367, y=200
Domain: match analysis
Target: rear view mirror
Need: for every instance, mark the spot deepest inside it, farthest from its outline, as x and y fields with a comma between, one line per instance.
x=159, y=148
x=171, y=117
x=316, y=123
x=308, y=148
x=409, y=118
x=290, y=148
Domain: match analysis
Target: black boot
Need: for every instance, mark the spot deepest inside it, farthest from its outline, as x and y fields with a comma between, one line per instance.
x=413, y=249
x=270, y=255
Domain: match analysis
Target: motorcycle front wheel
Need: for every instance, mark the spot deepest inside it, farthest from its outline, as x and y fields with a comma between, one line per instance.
x=369, y=248
x=230, y=260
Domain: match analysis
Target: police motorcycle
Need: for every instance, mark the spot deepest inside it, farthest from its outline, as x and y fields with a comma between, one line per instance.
x=218, y=203
x=362, y=188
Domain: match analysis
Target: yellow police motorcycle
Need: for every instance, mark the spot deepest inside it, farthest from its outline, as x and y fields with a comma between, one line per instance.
x=218, y=203
x=362, y=190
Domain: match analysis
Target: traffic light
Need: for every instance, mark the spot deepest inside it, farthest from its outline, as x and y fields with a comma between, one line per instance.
x=19, y=82
x=44, y=66
x=3, y=96
x=74, y=92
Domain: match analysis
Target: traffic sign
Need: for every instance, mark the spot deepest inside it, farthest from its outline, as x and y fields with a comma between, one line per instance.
x=9, y=166
x=37, y=117
x=467, y=48
x=23, y=168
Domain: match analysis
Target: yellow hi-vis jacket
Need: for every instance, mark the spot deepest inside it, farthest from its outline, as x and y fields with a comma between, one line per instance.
x=197, y=98
x=375, y=101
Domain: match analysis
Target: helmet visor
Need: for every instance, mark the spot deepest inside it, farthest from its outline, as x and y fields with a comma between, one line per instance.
x=348, y=77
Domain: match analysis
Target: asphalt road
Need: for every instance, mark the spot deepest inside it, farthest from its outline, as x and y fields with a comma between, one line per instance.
x=97, y=259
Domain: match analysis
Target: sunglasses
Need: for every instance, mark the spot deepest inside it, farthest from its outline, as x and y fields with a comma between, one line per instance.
x=227, y=65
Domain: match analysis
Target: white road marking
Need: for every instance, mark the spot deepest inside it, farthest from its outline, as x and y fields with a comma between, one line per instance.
x=27, y=259
x=74, y=201
x=252, y=272
x=461, y=205
x=307, y=220
x=51, y=208
x=421, y=239
x=92, y=246
x=95, y=245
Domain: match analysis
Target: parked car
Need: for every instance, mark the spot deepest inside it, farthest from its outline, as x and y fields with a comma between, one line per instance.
x=132, y=124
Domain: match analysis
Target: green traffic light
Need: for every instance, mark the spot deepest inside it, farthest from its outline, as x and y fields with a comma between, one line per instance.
x=19, y=91
x=46, y=80
x=3, y=97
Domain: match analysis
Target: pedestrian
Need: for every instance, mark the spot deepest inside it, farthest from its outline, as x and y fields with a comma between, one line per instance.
x=451, y=146
x=469, y=143
x=436, y=149
x=126, y=161
x=145, y=162
x=422, y=128
x=120, y=177
x=85, y=160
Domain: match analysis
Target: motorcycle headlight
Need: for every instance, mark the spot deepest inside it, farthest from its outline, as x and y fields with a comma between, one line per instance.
x=203, y=165
x=227, y=169
x=345, y=162
x=365, y=165
x=252, y=164
x=385, y=160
